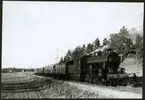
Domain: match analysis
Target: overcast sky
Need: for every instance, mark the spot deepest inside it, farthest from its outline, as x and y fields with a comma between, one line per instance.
x=32, y=31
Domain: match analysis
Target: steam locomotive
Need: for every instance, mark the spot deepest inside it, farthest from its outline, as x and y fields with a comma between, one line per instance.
x=98, y=69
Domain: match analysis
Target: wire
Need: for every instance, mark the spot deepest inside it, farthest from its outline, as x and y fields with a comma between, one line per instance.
x=135, y=27
x=133, y=18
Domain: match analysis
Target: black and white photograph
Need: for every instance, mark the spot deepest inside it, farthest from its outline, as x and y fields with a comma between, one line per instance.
x=72, y=50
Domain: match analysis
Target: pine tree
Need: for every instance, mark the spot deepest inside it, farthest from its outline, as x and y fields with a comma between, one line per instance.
x=89, y=48
x=96, y=43
x=105, y=42
x=138, y=41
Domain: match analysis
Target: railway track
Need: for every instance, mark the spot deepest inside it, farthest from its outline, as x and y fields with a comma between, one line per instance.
x=18, y=86
x=23, y=87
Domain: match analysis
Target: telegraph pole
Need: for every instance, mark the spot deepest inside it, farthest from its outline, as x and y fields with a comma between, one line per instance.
x=57, y=50
x=37, y=64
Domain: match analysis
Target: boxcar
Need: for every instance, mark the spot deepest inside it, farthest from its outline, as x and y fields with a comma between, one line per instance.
x=60, y=70
x=39, y=71
x=48, y=70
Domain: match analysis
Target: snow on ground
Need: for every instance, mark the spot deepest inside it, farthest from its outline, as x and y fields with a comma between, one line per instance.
x=106, y=92
x=131, y=66
x=98, y=91
x=53, y=88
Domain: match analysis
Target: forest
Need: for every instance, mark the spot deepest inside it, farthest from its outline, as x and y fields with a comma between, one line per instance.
x=123, y=42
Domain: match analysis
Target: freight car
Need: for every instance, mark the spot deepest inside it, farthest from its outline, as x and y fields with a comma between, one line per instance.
x=48, y=70
x=39, y=71
x=45, y=71
x=60, y=70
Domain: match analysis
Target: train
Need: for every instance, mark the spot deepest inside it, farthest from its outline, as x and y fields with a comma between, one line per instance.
x=97, y=69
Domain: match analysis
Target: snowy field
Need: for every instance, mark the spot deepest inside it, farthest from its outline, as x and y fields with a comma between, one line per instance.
x=131, y=66
x=45, y=87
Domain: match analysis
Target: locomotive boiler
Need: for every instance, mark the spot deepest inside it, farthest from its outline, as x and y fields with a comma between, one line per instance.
x=103, y=69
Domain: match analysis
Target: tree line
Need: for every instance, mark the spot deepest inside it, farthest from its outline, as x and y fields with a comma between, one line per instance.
x=6, y=70
x=122, y=42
